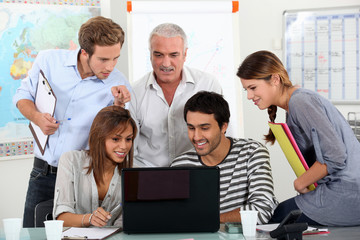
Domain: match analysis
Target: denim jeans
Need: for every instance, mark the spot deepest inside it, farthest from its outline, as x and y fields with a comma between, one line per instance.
x=41, y=188
x=284, y=208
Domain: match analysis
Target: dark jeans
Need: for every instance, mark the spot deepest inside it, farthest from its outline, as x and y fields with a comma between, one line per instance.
x=285, y=208
x=41, y=188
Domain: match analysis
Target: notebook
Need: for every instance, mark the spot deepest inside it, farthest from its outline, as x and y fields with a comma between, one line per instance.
x=290, y=148
x=170, y=200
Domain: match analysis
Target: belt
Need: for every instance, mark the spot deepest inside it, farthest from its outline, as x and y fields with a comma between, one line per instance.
x=39, y=163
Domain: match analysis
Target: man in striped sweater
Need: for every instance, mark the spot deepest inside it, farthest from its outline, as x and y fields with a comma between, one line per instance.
x=245, y=172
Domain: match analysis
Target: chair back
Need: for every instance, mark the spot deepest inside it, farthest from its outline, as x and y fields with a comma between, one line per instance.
x=43, y=212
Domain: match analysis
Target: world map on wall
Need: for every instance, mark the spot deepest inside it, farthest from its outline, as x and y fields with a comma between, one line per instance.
x=24, y=31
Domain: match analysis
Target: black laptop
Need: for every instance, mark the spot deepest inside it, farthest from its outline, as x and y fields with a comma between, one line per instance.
x=170, y=200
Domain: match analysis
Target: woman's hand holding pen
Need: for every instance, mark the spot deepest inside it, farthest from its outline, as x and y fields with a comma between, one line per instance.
x=99, y=217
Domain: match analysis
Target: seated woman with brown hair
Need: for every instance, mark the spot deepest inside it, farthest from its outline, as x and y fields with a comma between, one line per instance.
x=88, y=183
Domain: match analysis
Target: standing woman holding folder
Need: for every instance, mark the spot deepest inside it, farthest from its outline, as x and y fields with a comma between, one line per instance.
x=88, y=183
x=324, y=137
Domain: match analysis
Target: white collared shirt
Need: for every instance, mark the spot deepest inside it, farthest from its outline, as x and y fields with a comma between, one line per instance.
x=162, y=131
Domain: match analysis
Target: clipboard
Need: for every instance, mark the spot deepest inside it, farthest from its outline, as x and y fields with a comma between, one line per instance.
x=45, y=102
x=91, y=233
x=290, y=148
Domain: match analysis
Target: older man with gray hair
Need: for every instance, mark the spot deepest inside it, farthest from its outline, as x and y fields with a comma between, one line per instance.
x=159, y=97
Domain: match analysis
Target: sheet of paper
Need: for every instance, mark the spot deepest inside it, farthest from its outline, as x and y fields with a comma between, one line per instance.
x=45, y=101
x=270, y=227
x=91, y=232
x=267, y=227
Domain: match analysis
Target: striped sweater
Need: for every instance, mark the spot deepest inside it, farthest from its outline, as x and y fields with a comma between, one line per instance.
x=245, y=177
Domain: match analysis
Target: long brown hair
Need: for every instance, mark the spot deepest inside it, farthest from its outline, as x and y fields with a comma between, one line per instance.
x=109, y=120
x=261, y=65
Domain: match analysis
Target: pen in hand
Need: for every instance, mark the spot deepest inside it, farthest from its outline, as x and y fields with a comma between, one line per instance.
x=74, y=238
x=115, y=209
x=63, y=120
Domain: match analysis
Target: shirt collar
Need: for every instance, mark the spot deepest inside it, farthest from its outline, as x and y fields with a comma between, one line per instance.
x=186, y=78
x=72, y=61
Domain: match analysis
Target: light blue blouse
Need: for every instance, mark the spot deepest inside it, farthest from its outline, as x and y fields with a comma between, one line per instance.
x=323, y=134
x=78, y=99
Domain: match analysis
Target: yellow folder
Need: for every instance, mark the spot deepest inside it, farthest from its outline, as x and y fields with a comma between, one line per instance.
x=291, y=150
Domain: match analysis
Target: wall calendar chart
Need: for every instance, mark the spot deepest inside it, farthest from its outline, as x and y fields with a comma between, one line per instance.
x=322, y=51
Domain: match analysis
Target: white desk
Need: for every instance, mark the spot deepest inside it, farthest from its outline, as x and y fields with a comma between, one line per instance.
x=336, y=233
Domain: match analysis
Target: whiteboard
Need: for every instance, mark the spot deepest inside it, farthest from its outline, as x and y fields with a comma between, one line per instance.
x=209, y=27
x=322, y=51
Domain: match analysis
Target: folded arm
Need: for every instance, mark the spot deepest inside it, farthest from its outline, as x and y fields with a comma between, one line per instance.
x=316, y=172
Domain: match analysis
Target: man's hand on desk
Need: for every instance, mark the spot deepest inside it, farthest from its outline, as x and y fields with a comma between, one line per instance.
x=232, y=216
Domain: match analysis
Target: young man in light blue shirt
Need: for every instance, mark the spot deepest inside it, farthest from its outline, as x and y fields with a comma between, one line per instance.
x=84, y=81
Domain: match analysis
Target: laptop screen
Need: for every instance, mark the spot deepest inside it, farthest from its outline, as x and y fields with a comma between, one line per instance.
x=182, y=199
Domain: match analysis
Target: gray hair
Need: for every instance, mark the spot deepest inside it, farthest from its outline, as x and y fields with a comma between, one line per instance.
x=169, y=30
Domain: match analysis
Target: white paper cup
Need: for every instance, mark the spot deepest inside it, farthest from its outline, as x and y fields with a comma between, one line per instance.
x=248, y=222
x=53, y=229
x=12, y=227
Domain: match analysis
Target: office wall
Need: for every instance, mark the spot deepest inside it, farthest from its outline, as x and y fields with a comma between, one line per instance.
x=14, y=177
x=260, y=28
x=260, y=24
